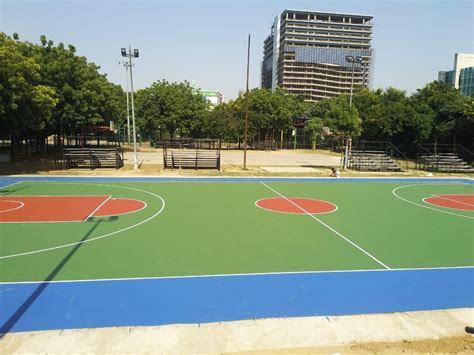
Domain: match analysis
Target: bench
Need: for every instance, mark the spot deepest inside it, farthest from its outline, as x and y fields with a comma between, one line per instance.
x=90, y=158
x=191, y=159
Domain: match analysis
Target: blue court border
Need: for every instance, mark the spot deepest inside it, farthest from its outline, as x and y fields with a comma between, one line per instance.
x=161, y=301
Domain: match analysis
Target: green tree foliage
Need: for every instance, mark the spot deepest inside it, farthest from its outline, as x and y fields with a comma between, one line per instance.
x=393, y=116
x=46, y=89
x=336, y=113
x=450, y=111
x=224, y=122
x=85, y=97
x=26, y=105
x=171, y=107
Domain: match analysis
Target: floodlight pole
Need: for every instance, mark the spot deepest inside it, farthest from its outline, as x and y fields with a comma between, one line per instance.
x=246, y=106
x=125, y=64
x=130, y=65
x=351, y=59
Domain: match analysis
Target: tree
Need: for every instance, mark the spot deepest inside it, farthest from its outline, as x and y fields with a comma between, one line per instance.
x=26, y=105
x=84, y=96
x=171, y=107
x=315, y=126
x=336, y=113
x=449, y=113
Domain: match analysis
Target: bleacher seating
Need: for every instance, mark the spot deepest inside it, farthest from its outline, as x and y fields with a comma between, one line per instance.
x=91, y=158
x=371, y=160
x=443, y=162
x=191, y=159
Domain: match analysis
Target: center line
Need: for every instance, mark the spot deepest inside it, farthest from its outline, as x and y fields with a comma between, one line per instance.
x=329, y=227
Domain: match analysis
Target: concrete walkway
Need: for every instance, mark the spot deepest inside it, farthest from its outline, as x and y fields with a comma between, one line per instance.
x=249, y=335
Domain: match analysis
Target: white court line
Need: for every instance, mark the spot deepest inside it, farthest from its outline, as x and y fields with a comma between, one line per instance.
x=424, y=206
x=48, y=222
x=240, y=275
x=124, y=213
x=329, y=227
x=12, y=209
x=13, y=183
x=103, y=203
x=449, y=199
x=101, y=236
x=275, y=211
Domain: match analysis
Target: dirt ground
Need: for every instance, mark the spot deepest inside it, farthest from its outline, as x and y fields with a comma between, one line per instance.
x=452, y=345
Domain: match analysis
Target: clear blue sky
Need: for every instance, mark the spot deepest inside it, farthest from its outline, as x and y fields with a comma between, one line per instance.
x=206, y=41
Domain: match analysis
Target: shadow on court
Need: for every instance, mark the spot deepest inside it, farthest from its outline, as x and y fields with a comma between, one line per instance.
x=11, y=191
x=15, y=317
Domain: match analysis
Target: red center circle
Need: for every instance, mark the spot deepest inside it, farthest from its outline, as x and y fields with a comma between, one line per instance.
x=296, y=205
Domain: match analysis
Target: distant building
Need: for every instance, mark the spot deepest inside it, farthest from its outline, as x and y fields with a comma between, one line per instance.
x=306, y=53
x=215, y=97
x=462, y=75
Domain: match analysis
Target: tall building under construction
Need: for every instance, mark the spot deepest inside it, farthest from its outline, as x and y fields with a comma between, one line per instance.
x=318, y=54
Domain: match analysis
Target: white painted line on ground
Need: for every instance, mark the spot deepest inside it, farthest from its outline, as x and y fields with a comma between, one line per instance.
x=315, y=199
x=21, y=204
x=99, y=237
x=428, y=207
x=329, y=227
x=13, y=183
x=98, y=207
x=239, y=275
x=449, y=199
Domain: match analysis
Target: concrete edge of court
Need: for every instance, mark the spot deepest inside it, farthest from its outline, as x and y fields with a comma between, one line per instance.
x=249, y=335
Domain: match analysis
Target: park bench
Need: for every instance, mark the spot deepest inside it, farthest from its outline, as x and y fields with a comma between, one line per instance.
x=191, y=159
x=91, y=158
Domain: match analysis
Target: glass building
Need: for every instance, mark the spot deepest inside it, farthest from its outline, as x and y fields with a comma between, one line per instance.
x=307, y=53
x=462, y=76
x=466, y=81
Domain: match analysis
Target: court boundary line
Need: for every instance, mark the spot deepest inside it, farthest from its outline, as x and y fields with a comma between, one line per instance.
x=424, y=206
x=329, y=227
x=306, y=198
x=96, y=238
x=255, y=274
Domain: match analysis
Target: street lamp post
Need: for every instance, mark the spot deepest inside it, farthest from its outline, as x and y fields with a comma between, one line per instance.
x=351, y=59
x=246, y=106
x=131, y=55
x=125, y=64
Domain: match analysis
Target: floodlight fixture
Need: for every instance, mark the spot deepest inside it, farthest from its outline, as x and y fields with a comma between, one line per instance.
x=130, y=66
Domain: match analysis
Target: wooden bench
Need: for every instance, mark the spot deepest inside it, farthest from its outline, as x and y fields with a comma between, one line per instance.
x=191, y=159
x=90, y=158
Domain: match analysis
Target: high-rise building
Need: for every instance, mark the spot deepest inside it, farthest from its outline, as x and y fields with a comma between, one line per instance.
x=318, y=54
x=462, y=75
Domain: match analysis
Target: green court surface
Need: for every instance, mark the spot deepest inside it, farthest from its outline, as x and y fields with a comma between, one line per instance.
x=216, y=228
